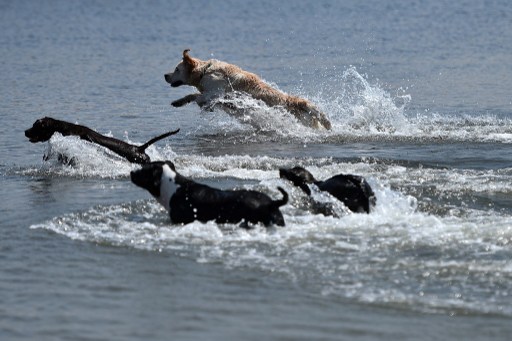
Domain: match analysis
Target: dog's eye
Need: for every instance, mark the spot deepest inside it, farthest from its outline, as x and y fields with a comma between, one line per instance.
x=176, y=70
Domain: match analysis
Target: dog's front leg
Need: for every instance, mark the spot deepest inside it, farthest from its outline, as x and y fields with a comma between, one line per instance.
x=205, y=102
x=209, y=100
x=185, y=100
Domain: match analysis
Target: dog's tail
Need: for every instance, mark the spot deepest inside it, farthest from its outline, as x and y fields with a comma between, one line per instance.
x=283, y=201
x=143, y=148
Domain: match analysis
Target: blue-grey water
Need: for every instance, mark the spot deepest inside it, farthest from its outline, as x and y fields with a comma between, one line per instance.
x=419, y=94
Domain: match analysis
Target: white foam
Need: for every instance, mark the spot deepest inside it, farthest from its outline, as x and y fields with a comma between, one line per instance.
x=408, y=251
x=88, y=159
x=396, y=255
x=358, y=110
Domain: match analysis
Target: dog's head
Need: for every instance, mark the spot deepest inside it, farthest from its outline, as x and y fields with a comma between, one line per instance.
x=299, y=177
x=182, y=72
x=42, y=130
x=159, y=179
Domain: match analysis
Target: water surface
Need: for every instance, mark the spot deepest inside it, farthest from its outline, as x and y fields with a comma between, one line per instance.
x=419, y=97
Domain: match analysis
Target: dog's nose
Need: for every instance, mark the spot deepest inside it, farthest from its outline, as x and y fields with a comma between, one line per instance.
x=167, y=77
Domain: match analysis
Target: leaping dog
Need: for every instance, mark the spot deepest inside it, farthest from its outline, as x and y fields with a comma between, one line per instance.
x=186, y=200
x=214, y=78
x=43, y=129
x=353, y=190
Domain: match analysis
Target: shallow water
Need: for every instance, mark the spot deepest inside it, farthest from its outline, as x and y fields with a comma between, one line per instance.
x=420, y=106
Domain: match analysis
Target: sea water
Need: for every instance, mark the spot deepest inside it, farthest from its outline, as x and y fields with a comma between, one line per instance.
x=419, y=98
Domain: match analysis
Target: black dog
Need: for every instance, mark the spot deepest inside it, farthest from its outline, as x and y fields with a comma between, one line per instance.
x=187, y=200
x=43, y=129
x=352, y=190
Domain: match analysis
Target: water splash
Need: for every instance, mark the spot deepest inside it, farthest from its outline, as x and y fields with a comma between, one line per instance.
x=409, y=252
x=395, y=256
x=360, y=111
x=255, y=116
x=360, y=107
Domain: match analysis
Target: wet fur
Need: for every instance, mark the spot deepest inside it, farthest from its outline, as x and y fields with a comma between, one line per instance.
x=187, y=200
x=43, y=129
x=214, y=78
x=353, y=190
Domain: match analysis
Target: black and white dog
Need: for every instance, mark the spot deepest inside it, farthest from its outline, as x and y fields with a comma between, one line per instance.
x=353, y=190
x=43, y=129
x=186, y=200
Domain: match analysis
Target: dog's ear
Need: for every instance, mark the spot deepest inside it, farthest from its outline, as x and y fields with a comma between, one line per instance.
x=188, y=60
x=171, y=165
x=42, y=123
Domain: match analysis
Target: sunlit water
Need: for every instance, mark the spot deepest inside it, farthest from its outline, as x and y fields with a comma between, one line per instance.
x=437, y=244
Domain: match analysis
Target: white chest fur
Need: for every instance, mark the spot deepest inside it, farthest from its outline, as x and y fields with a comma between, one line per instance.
x=167, y=186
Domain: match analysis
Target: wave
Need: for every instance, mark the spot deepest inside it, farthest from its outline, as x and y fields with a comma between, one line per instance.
x=430, y=244
x=395, y=256
x=359, y=111
x=430, y=184
x=434, y=242
x=438, y=241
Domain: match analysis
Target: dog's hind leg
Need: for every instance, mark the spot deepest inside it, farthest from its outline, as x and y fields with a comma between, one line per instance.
x=185, y=100
x=311, y=117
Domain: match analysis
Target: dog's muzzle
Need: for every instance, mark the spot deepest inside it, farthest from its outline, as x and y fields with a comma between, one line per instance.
x=32, y=137
x=168, y=79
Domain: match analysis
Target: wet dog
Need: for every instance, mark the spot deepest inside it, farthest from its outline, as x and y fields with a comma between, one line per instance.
x=43, y=129
x=186, y=200
x=353, y=190
x=214, y=78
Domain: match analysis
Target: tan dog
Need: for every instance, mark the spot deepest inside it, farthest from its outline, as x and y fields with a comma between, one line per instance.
x=214, y=78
